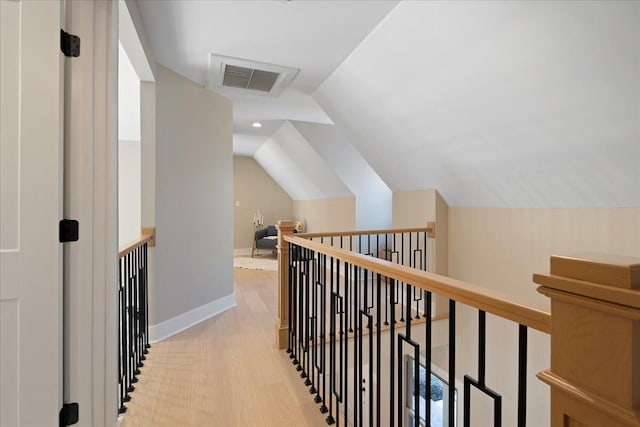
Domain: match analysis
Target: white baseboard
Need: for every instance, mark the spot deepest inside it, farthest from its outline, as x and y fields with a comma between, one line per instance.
x=242, y=252
x=164, y=330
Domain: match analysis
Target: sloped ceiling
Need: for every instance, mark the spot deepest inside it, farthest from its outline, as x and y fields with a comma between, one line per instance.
x=297, y=167
x=312, y=36
x=128, y=99
x=533, y=104
x=373, y=197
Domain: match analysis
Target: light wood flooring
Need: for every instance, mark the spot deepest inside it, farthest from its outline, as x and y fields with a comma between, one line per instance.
x=225, y=371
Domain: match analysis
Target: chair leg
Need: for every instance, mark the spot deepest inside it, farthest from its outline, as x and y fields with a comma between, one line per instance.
x=253, y=249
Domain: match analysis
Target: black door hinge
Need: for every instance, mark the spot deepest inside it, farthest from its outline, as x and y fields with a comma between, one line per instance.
x=68, y=414
x=69, y=44
x=68, y=230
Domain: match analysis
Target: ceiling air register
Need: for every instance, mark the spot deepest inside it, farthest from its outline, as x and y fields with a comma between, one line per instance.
x=227, y=74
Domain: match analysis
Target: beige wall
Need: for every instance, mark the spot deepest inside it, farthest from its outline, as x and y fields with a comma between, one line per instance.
x=501, y=248
x=416, y=208
x=254, y=190
x=336, y=214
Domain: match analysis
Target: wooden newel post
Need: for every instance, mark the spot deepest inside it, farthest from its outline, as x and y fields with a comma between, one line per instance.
x=285, y=228
x=595, y=340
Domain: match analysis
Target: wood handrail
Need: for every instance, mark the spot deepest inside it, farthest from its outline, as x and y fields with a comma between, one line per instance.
x=466, y=293
x=365, y=232
x=131, y=246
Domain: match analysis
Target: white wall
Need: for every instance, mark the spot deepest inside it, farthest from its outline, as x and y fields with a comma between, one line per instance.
x=134, y=39
x=373, y=197
x=510, y=104
x=129, y=180
x=194, y=197
x=128, y=99
x=297, y=167
x=128, y=191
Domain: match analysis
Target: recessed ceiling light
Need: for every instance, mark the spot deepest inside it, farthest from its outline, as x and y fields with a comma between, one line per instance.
x=256, y=124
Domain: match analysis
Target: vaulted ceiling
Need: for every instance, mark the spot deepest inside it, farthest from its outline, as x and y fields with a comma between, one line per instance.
x=533, y=104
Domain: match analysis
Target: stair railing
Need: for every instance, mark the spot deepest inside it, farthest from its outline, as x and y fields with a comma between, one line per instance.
x=133, y=315
x=346, y=316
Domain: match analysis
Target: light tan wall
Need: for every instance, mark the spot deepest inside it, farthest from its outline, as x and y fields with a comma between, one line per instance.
x=254, y=190
x=335, y=214
x=501, y=248
x=414, y=209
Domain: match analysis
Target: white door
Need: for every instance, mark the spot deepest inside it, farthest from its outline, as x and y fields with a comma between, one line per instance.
x=30, y=209
x=365, y=386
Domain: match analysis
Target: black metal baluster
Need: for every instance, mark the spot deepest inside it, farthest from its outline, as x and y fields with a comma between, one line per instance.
x=147, y=346
x=134, y=310
x=348, y=296
x=401, y=284
x=357, y=346
x=370, y=326
x=332, y=344
x=332, y=356
x=300, y=325
x=314, y=323
x=141, y=306
x=522, y=375
x=360, y=382
x=482, y=346
x=121, y=362
x=341, y=377
x=290, y=329
x=411, y=264
x=130, y=313
x=136, y=303
x=480, y=384
x=306, y=372
x=452, y=363
x=323, y=336
x=378, y=349
x=392, y=339
x=138, y=309
x=295, y=353
x=344, y=365
x=416, y=380
x=409, y=293
x=424, y=251
x=143, y=299
x=427, y=353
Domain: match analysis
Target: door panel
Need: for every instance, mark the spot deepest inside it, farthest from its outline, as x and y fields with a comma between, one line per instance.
x=30, y=208
x=9, y=211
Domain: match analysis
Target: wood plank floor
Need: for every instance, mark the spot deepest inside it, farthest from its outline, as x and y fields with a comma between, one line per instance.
x=225, y=371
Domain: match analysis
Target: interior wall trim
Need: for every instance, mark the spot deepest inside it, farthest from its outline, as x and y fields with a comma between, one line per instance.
x=170, y=327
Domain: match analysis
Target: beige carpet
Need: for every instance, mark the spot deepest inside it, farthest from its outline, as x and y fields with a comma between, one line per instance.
x=269, y=263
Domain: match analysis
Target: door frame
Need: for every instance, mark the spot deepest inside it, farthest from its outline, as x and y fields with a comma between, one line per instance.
x=91, y=197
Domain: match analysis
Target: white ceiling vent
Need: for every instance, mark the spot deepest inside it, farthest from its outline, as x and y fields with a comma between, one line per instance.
x=249, y=78
x=228, y=74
